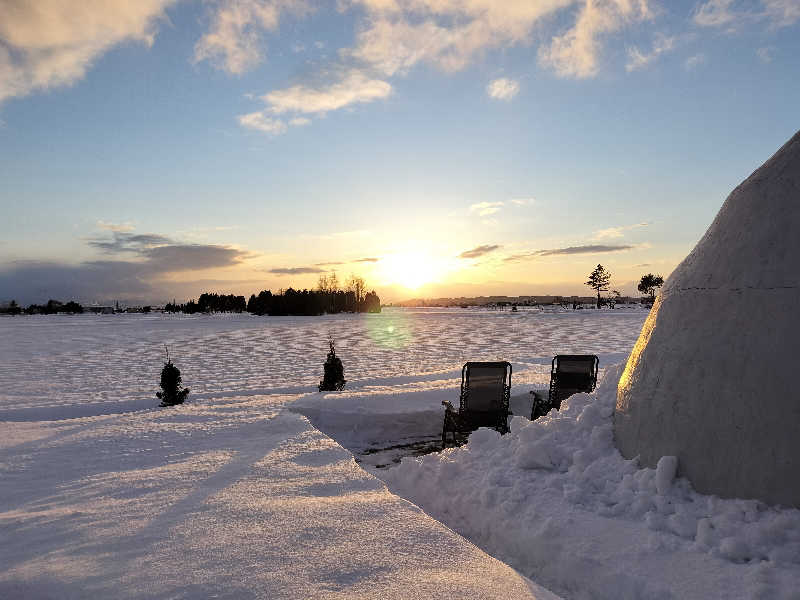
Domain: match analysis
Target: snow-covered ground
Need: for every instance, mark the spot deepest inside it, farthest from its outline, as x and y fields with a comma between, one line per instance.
x=249, y=490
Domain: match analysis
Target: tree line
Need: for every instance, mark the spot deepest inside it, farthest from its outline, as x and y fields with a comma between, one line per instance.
x=209, y=302
x=52, y=307
x=328, y=297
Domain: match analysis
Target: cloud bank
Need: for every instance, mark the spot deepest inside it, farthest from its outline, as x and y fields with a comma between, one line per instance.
x=138, y=271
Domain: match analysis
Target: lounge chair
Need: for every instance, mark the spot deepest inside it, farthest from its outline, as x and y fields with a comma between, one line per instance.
x=569, y=374
x=485, y=391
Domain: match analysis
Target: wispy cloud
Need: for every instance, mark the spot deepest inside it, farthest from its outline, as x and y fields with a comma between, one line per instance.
x=782, y=13
x=502, y=88
x=295, y=270
x=262, y=122
x=484, y=209
x=587, y=249
x=234, y=41
x=479, y=251
x=576, y=53
x=715, y=13
x=638, y=59
x=50, y=43
x=347, y=262
x=695, y=61
x=617, y=232
x=522, y=201
x=731, y=15
x=764, y=55
x=353, y=87
x=121, y=227
x=125, y=241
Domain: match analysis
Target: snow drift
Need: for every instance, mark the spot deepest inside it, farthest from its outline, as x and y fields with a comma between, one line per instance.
x=555, y=500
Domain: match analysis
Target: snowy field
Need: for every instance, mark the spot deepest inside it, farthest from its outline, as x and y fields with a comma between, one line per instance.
x=252, y=489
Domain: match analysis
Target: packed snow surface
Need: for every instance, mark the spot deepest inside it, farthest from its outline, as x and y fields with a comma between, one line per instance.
x=247, y=491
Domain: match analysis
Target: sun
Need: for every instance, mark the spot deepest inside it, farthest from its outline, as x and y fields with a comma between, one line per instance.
x=410, y=269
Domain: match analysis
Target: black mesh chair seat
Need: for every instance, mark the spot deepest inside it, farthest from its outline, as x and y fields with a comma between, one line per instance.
x=569, y=374
x=483, y=402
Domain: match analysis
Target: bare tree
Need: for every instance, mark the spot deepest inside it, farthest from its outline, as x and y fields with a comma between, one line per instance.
x=356, y=285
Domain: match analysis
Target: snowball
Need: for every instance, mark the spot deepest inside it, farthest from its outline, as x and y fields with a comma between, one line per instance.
x=665, y=473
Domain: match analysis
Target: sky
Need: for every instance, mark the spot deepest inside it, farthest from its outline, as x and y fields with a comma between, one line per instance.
x=157, y=149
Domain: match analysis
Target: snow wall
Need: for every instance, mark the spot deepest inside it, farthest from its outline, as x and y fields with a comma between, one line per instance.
x=714, y=378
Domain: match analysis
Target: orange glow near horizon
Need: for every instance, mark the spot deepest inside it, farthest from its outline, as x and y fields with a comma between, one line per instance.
x=411, y=269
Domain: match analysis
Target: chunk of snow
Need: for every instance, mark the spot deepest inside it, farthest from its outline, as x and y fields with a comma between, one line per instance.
x=665, y=473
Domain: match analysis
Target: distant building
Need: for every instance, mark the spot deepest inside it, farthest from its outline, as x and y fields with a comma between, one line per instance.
x=99, y=310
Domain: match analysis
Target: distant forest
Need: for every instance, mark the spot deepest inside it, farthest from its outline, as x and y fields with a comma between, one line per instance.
x=52, y=307
x=312, y=302
x=209, y=302
x=327, y=298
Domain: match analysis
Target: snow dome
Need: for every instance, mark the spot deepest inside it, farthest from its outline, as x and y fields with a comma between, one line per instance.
x=714, y=378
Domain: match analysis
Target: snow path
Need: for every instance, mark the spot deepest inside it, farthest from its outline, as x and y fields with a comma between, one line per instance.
x=229, y=499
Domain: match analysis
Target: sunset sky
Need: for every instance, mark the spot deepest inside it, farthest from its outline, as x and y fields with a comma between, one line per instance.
x=157, y=149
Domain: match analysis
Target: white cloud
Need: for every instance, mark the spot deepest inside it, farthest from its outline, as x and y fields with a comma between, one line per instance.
x=118, y=227
x=52, y=43
x=396, y=35
x=695, y=61
x=522, y=201
x=715, y=13
x=354, y=87
x=782, y=13
x=616, y=232
x=261, y=122
x=451, y=33
x=764, y=55
x=484, y=209
x=233, y=42
x=638, y=59
x=503, y=88
x=576, y=52
x=445, y=33
x=726, y=13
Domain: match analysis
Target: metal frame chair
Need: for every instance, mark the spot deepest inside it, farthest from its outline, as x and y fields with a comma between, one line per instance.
x=483, y=402
x=569, y=374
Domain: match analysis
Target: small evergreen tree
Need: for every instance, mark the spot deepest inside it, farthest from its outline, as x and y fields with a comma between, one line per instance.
x=172, y=391
x=599, y=281
x=333, y=378
x=13, y=308
x=649, y=283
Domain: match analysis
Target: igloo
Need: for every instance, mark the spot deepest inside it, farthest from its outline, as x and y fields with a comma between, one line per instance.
x=714, y=378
